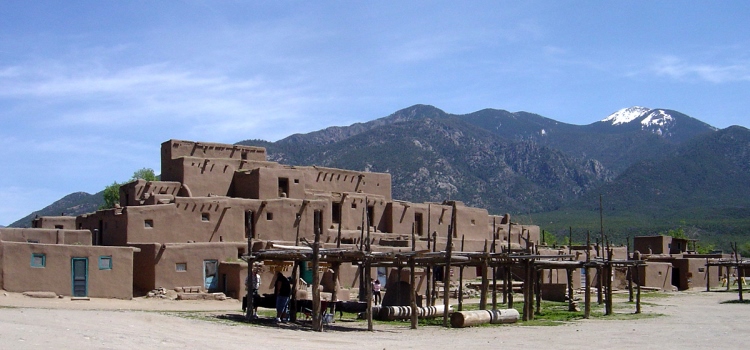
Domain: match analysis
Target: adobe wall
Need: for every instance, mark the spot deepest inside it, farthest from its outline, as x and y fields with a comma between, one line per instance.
x=45, y=236
x=652, y=244
x=354, y=206
x=142, y=192
x=55, y=222
x=202, y=177
x=55, y=276
x=192, y=255
x=339, y=180
x=173, y=149
x=656, y=275
x=144, y=278
x=264, y=183
x=108, y=227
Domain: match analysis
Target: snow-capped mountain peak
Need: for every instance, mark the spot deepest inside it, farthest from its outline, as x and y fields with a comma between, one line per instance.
x=626, y=115
x=657, y=117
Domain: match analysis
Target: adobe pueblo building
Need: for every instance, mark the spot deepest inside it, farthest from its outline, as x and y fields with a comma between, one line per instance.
x=190, y=230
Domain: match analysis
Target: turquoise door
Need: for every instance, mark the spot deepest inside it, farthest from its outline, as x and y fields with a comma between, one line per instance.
x=211, y=274
x=80, y=276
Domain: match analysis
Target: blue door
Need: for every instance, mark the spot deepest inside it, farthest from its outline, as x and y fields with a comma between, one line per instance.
x=80, y=274
x=211, y=274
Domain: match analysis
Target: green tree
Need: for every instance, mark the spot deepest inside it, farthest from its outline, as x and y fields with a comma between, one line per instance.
x=144, y=173
x=111, y=196
x=112, y=192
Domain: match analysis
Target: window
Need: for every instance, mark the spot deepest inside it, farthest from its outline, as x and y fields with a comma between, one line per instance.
x=205, y=217
x=105, y=262
x=32, y=241
x=336, y=213
x=38, y=260
x=269, y=216
x=148, y=223
x=180, y=267
x=58, y=227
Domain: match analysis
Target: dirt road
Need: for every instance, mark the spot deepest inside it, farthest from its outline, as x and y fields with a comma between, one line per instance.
x=692, y=320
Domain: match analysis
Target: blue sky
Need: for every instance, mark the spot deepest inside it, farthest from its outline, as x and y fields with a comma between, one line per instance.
x=90, y=89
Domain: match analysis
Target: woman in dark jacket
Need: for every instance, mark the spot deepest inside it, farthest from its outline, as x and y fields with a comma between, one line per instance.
x=283, y=290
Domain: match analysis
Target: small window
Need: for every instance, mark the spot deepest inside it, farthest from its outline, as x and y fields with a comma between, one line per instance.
x=269, y=216
x=38, y=260
x=32, y=241
x=58, y=227
x=354, y=205
x=296, y=181
x=148, y=223
x=473, y=222
x=205, y=217
x=105, y=262
x=180, y=267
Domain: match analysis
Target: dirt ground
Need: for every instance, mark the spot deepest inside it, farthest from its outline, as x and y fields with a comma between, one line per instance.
x=691, y=320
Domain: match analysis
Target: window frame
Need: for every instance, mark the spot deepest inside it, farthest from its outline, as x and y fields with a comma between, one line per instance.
x=39, y=255
x=103, y=258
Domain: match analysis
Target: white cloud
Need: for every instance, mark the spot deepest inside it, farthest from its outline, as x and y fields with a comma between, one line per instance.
x=677, y=68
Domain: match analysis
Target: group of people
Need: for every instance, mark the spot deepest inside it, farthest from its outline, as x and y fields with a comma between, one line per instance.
x=283, y=292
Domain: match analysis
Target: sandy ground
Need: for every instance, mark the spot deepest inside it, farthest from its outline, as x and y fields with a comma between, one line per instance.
x=692, y=320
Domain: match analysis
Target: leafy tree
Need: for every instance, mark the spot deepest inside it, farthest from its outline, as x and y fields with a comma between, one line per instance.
x=144, y=173
x=675, y=233
x=112, y=192
x=111, y=195
x=705, y=248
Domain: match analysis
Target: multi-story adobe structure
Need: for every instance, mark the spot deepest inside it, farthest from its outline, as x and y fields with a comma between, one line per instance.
x=191, y=227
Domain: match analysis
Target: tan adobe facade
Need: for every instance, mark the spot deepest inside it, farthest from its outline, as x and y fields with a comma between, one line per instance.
x=190, y=228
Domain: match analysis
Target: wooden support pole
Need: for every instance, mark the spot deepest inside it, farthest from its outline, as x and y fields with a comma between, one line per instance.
x=413, y=293
x=250, y=232
x=485, y=282
x=587, y=289
x=608, y=282
x=538, y=284
x=317, y=320
x=368, y=289
x=571, y=303
x=446, y=273
x=295, y=286
x=335, y=296
x=708, y=276
x=461, y=288
x=637, y=290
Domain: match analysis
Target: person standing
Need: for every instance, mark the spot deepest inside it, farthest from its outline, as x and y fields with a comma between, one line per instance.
x=282, y=290
x=376, y=292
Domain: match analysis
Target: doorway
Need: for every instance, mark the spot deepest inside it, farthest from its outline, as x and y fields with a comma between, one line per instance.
x=80, y=274
x=210, y=274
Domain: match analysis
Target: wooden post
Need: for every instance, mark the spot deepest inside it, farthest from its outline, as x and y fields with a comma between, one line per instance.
x=630, y=274
x=413, y=293
x=571, y=305
x=317, y=321
x=461, y=288
x=638, y=291
x=570, y=239
x=538, y=284
x=485, y=279
x=587, y=290
x=250, y=232
x=295, y=285
x=708, y=277
x=608, y=282
x=447, y=274
x=335, y=295
x=368, y=290
x=428, y=268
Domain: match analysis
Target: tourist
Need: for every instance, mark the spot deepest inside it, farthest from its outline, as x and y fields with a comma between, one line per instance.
x=282, y=290
x=376, y=292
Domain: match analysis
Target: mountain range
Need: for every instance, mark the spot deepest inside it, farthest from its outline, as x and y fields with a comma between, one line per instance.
x=654, y=168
